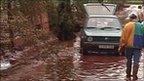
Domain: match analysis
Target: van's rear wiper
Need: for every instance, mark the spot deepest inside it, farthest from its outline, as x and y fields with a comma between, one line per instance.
x=101, y=1
x=106, y=7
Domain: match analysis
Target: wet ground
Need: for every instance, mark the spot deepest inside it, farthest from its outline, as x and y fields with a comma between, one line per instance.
x=71, y=66
x=66, y=64
x=105, y=67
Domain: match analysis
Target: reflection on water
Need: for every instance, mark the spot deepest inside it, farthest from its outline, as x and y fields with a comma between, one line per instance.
x=4, y=64
x=69, y=65
x=73, y=66
x=103, y=67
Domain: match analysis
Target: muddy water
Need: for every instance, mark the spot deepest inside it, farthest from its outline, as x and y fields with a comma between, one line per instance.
x=103, y=67
x=97, y=68
x=71, y=66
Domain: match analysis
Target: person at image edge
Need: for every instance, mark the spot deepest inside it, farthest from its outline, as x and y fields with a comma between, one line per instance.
x=132, y=43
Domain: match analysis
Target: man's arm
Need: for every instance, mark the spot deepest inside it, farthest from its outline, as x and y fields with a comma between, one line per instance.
x=122, y=41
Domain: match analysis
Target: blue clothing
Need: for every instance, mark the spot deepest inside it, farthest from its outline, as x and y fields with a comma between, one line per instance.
x=132, y=35
x=133, y=54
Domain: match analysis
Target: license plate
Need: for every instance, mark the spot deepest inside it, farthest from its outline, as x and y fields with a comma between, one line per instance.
x=106, y=46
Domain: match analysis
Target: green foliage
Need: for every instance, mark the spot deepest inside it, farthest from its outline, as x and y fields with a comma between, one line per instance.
x=135, y=1
x=65, y=18
x=68, y=15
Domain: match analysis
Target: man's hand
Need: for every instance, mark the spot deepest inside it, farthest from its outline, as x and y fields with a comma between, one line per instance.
x=121, y=50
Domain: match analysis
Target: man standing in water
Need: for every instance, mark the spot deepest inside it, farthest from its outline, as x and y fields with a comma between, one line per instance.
x=132, y=42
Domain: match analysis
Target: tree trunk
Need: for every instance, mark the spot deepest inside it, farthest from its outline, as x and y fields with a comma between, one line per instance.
x=11, y=34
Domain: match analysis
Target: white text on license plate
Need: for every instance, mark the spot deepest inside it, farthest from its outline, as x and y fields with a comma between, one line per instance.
x=106, y=46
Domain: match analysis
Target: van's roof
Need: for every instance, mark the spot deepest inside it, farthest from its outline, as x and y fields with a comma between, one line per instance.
x=100, y=9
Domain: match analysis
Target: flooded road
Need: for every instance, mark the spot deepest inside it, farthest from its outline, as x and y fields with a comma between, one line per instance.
x=104, y=67
x=69, y=65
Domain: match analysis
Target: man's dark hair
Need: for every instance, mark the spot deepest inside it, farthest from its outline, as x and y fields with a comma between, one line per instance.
x=133, y=16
